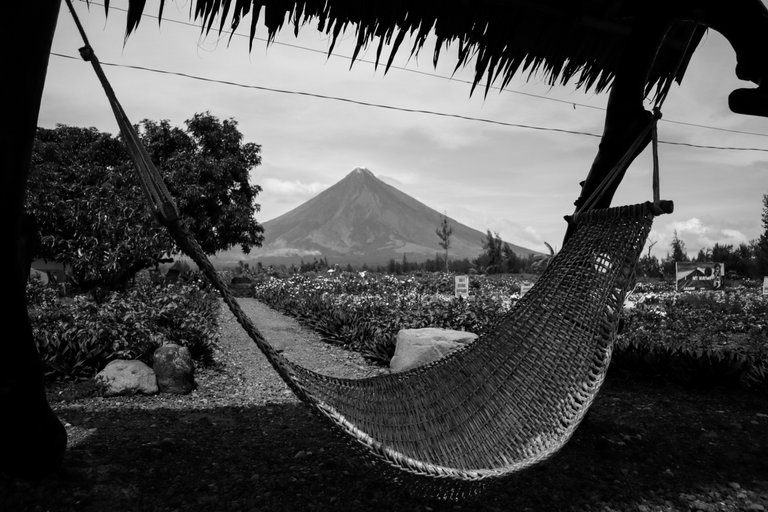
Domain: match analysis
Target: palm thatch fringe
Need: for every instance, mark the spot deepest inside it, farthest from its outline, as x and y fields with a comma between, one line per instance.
x=561, y=41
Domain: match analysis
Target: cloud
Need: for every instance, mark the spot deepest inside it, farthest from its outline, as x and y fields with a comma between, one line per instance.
x=292, y=188
x=695, y=233
x=693, y=226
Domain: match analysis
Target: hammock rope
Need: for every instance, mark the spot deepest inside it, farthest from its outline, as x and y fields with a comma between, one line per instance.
x=509, y=400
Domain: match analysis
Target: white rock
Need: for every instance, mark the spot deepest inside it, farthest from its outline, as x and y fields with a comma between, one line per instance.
x=123, y=377
x=417, y=347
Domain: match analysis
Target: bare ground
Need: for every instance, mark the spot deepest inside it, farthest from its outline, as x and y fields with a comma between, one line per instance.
x=243, y=442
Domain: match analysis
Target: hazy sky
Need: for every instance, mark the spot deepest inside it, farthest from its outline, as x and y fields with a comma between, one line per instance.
x=515, y=181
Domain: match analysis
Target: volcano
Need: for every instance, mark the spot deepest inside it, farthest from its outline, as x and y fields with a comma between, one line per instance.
x=360, y=220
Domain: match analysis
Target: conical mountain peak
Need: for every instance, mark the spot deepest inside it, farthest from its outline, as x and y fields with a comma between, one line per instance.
x=361, y=171
x=362, y=219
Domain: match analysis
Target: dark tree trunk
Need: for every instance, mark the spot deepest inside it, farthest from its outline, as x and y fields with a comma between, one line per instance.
x=744, y=23
x=32, y=439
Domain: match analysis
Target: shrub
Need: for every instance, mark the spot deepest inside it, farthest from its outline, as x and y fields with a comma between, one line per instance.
x=77, y=337
x=709, y=337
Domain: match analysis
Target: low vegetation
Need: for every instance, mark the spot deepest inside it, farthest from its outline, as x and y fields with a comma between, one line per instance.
x=700, y=336
x=77, y=336
x=718, y=336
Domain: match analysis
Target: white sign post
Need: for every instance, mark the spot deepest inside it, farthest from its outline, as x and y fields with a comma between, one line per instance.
x=524, y=287
x=765, y=286
x=461, y=288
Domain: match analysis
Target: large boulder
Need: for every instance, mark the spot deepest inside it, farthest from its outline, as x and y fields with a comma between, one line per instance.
x=416, y=347
x=124, y=377
x=175, y=369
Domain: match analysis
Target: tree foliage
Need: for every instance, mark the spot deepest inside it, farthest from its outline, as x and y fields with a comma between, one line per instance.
x=498, y=257
x=649, y=265
x=444, y=232
x=91, y=212
x=762, y=242
x=678, y=249
x=207, y=169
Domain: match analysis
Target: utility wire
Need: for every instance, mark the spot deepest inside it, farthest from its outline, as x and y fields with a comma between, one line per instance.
x=395, y=108
x=439, y=76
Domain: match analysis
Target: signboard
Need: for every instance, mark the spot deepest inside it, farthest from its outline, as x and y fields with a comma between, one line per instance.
x=461, y=288
x=524, y=287
x=706, y=275
x=765, y=286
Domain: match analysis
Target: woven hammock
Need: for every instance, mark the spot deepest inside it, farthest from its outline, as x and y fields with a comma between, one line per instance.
x=509, y=400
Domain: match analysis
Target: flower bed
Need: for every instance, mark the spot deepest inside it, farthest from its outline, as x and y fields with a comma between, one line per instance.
x=697, y=335
x=710, y=334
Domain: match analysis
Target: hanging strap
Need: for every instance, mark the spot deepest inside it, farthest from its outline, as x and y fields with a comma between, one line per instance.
x=653, y=129
x=150, y=178
x=623, y=163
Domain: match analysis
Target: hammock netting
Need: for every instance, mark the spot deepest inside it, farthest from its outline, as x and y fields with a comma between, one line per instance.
x=507, y=401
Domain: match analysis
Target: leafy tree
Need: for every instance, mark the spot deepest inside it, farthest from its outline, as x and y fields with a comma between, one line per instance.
x=81, y=193
x=761, y=249
x=678, y=249
x=491, y=258
x=91, y=211
x=512, y=262
x=497, y=257
x=444, y=233
x=649, y=265
x=207, y=170
x=704, y=255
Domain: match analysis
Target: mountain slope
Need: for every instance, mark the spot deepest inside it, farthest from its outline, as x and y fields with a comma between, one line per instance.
x=361, y=219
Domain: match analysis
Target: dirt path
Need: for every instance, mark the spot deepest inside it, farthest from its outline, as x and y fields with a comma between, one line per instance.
x=242, y=442
x=298, y=344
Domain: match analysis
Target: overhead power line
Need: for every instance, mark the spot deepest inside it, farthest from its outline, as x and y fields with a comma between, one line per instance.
x=439, y=76
x=393, y=107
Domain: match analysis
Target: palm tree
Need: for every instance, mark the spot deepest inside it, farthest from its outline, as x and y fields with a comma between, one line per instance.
x=564, y=42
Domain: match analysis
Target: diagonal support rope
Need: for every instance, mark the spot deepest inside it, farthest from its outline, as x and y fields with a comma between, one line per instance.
x=166, y=212
x=651, y=128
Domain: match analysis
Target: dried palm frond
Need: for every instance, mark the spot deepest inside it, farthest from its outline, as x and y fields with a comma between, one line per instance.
x=561, y=41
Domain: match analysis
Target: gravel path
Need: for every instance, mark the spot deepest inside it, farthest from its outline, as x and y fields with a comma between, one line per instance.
x=258, y=379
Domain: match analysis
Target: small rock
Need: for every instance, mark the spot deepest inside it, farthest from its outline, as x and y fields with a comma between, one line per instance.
x=174, y=369
x=755, y=507
x=733, y=485
x=124, y=377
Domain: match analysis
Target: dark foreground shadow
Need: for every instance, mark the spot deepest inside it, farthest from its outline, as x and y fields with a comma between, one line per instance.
x=657, y=446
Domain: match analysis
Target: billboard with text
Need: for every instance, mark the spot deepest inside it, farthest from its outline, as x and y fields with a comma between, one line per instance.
x=707, y=275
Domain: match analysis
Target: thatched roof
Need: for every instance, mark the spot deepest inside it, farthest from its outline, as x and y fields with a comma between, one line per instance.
x=564, y=41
